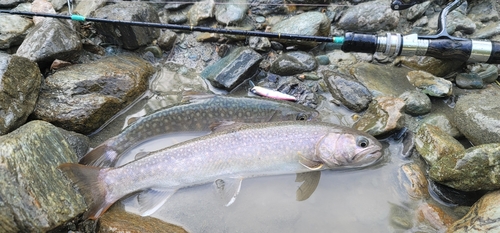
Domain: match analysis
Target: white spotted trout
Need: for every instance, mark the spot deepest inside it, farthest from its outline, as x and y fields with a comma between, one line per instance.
x=238, y=152
x=199, y=115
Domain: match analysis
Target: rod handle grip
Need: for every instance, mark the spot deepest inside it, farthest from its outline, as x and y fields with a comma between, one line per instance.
x=358, y=42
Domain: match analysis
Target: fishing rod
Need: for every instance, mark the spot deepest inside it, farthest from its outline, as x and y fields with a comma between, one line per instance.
x=441, y=45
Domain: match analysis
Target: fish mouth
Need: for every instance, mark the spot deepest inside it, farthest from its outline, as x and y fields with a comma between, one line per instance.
x=367, y=157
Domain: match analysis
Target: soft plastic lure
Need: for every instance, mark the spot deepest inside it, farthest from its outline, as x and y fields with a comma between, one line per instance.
x=262, y=91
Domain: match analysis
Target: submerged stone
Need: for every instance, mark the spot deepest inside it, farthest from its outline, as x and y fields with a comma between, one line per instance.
x=483, y=216
x=292, y=63
x=35, y=196
x=383, y=115
x=381, y=80
x=345, y=88
x=430, y=84
x=431, y=65
x=417, y=103
x=83, y=97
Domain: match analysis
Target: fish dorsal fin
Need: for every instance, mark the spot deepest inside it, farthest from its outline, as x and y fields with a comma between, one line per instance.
x=227, y=189
x=101, y=156
x=192, y=96
x=310, y=181
x=311, y=165
x=152, y=199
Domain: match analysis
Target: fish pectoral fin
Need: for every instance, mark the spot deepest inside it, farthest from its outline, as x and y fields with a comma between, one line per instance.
x=152, y=199
x=227, y=189
x=310, y=181
x=312, y=165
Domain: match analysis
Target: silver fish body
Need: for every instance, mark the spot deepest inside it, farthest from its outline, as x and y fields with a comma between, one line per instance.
x=199, y=115
x=242, y=151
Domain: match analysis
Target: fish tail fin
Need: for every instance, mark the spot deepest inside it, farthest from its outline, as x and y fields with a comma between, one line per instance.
x=91, y=187
x=101, y=156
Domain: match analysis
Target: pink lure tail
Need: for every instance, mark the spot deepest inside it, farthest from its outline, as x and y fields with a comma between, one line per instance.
x=91, y=187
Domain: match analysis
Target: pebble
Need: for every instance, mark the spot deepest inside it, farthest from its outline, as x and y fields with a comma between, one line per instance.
x=349, y=91
x=430, y=84
x=384, y=114
x=292, y=63
x=417, y=103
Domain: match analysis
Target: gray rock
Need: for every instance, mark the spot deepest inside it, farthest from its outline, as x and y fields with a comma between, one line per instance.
x=430, y=84
x=83, y=97
x=20, y=81
x=323, y=60
x=259, y=43
x=363, y=17
x=200, y=11
x=443, y=122
x=124, y=35
x=86, y=7
x=13, y=30
x=345, y=88
x=233, y=69
x=10, y=3
x=177, y=19
x=49, y=40
x=381, y=80
x=474, y=169
x=417, y=10
x=230, y=11
x=267, y=7
x=383, y=115
x=417, y=103
x=294, y=63
x=167, y=40
x=433, y=144
x=58, y=4
x=310, y=23
x=489, y=30
x=483, y=216
x=477, y=116
x=431, y=65
x=483, y=11
x=487, y=72
x=35, y=195
x=469, y=81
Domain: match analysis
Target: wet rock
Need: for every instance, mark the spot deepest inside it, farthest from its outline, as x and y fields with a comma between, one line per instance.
x=474, y=169
x=453, y=196
x=483, y=11
x=49, y=40
x=384, y=18
x=476, y=116
x=469, y=81
x=430, y=84
x=13, y=30
x=36, y=196
x=431, y=65
x=88, y=6
x=259, y=43
x=167, y=40
x=414, y=181
x=383, y=115
x=230, y=11
x=117, y=220
x=200, y=11
x=478, y=77
x=233, y=69
x=381, y=80
x=484, y=216
x=443, y=122
x=487, y=72
x=323, y=60
x=434, y=217
x=417, y=103
x=435, y=145
x=345, y=88
x=124, y=35
x=341, y=58
x=310, y=23
x=82, y=97
x=294, y=63
x=20, y=81
x=456, y=21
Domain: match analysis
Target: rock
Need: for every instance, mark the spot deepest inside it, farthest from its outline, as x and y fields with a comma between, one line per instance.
x=310, y=23
x=177, y=19
x=483, y=216
x=417, y=11
x=268, y=7
x=487, y=72
x=381, y=80
x=474, y=169
x=434, y=217
x=431, y=65
x=434, y=145
x=20, y=81
x=35, y=195
x=233, y=69
x=88, y=6
x=124, y=35
x=200, y=11
x=10, y=3
x=483, y=11
x=83, y=97
x=58, y=4
x=13, y=30
x=259, y=43
x=430, y=84
x=414, y=181
x=453, y=197
x=323, y=60
x=41, y=6
x=167, y=40
x=489, y=30
x=443, y=122
x=476, y=116
x=384, y=18
x=469, y=81
x=478, y=77
x=383, y=115
x=230, y=11
x=345, y=88
x=417, y=103
x=292, y=63
x=456, y=21
x=49, y=40
x=338, y=56
x=117, y=220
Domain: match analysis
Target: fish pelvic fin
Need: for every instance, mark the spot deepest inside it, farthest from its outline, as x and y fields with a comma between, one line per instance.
x=91, y=187
x=101, y=156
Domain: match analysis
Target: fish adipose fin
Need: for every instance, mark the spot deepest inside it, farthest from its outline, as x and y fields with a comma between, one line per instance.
x=152, y=199
x=312, y=165
x=93, y=190
x=101, y=156
x=227, y=189
x=310, y=183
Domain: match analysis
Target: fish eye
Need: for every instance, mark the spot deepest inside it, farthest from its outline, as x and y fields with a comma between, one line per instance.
x=302, y=117
x=362, y=142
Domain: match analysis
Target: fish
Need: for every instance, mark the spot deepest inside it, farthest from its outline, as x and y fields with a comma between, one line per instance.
x=273, y=94
x=200, y=114
x=224, y=157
